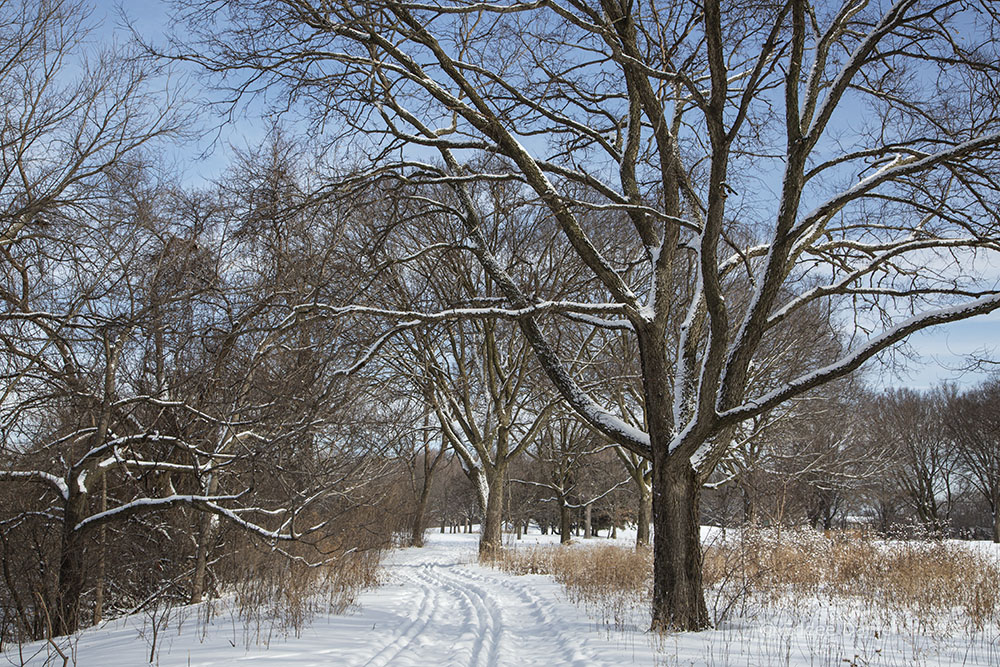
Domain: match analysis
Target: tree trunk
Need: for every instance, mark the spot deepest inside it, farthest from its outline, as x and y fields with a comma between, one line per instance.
x=206, y=534
x=678, y=597
x=206, y=525
x=645, y=511
x=418, y=527
x=587, y=529
x=102, y=558
x=565, y=523
x=749, y=508
x=491, y=535
x=996, y=525
x=72, y=572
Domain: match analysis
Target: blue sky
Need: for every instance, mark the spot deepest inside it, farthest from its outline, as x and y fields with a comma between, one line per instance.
x=939, y=353
x=944, y=350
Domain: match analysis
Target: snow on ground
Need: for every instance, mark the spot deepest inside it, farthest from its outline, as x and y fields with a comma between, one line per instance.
x=439, y=607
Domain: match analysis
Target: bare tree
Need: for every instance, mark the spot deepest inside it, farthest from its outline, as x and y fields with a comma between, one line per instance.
x=913, y=428
x=973, y=422
x=149, y=368
x=839, y=153
x=482, y=396
x=71, y=112
x=563, y=457
x=75, y=118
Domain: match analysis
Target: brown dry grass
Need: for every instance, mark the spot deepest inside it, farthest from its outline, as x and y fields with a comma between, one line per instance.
x=927, y=584
x=608, y=580
x=923, y=580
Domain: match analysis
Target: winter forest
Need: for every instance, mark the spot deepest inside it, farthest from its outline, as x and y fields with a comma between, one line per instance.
x=615, y=295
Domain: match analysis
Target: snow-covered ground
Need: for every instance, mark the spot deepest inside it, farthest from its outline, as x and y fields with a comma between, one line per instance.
x=439, y=607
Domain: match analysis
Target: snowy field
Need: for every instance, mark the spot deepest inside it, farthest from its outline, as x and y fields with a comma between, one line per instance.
x=438, y=607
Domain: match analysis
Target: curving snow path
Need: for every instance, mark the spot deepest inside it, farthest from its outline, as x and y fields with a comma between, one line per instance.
x=442, y=609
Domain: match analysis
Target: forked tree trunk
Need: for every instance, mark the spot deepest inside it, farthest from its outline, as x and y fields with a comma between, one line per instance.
x=205, y=535
x=678, y=597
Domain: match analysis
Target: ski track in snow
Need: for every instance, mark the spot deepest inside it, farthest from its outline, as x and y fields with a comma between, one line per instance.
x=483, y=616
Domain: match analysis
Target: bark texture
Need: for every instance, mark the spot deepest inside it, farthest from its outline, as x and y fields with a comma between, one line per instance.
x=678, y=597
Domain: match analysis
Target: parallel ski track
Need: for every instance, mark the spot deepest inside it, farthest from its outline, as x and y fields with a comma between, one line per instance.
x=484, y=609
x=427, y=608
x=567, y=646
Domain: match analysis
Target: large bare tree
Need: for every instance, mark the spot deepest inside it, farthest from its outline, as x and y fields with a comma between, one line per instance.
x=837, y=152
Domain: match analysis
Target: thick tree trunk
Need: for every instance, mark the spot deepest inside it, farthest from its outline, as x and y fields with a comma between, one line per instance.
x=996, y=525
x=587, y=529
x=678, y=597
x=491, y=535
x=489, y=497
x=72, y=572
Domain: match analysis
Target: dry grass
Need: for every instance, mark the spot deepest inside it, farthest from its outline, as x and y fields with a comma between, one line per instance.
x=926, y=586
x=900, y=582
x=609, y=580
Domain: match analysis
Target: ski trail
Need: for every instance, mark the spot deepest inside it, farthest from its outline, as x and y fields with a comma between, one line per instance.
x=461, y=613
x=479, y=607
x=539, y=613
x=440, y=608
x=414, y=627
x=437, y=608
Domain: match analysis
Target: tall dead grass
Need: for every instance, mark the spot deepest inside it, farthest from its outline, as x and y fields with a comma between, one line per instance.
x=610, y=581
x=931, y=586
x=278, y=592
x=938, y=584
